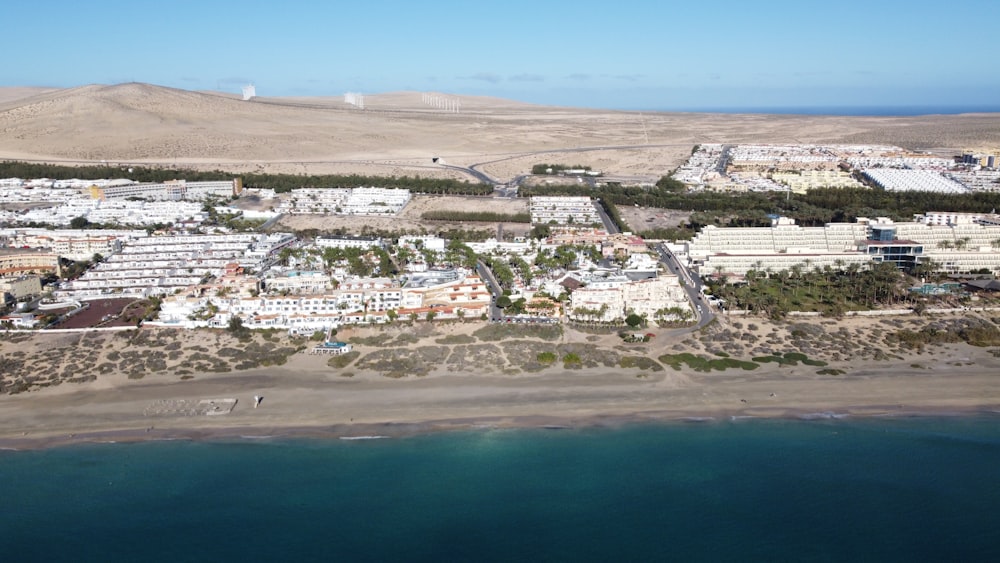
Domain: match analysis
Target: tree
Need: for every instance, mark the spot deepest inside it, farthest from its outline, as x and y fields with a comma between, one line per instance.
x=541, y=231
x=79, y=223
x=503, y=301
x=404, y=255
x=236, y=325
x=431, y=315
x=633, y=320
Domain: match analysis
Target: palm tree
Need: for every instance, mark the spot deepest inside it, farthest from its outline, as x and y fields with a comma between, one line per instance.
x=809, y=274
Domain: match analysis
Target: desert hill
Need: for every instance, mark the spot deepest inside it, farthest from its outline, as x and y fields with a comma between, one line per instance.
x=397, y=133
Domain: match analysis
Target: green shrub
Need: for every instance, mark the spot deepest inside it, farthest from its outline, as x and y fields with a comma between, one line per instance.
x=546, y=357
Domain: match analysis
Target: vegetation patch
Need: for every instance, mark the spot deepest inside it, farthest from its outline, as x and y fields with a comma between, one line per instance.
x=475, y=216
x=699, y=363
x=789, y=359
x=400, y=362
x=590, y=356
x=456, y=339
x=523, y=354
x=406, y=338
x=830, y=371
x=502, y=331
x=639, y=362
x=973, y=331
x=546, y=358
x=476, y=358
x=572, y=360
x=343, y=360
x=375, y=341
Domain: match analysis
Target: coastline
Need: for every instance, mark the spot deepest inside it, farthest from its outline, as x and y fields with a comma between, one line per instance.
x=477, y=379
x=395, y=430
x=443, y=404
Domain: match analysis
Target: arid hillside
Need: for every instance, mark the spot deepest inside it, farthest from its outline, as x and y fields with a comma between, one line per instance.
x=398, y=133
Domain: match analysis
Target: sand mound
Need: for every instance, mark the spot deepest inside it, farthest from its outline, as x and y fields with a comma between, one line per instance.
x=397, y=133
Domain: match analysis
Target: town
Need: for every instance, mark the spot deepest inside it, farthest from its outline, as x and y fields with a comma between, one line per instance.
x=200, y=259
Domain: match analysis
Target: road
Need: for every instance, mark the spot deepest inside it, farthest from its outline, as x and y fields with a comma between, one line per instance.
x=509, y=189
x=496, y=313
x=692, y=286
x=609, y=225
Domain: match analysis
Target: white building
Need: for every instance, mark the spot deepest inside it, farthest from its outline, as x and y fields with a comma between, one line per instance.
x=563, y=210
x=348, y=241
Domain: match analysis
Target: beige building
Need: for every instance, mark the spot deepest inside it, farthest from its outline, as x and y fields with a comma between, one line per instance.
x=802, y=181
x=15, y=263
x=86, y=247
x=21, y=287
x=646, y=297
x=597, y=304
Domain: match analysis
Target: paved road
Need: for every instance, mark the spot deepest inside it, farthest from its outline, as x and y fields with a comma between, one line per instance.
x=471, y=170
x=692, y=286
x=509, y=189
x=609, y=225
x=496, y=313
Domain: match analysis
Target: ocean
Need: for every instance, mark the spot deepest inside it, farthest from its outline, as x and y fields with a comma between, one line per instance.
x=844, y=111
x=907, y=489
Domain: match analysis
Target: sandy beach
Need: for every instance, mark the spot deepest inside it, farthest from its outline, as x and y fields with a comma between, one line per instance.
x=308, y=397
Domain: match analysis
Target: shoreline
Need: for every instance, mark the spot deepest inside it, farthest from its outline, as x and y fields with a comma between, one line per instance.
x=428, y=378
x=406, y=429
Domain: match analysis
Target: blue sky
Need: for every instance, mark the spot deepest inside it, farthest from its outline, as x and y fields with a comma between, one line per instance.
x=627, y=54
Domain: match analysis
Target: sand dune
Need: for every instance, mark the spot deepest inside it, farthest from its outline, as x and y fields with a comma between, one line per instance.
x=398, y=134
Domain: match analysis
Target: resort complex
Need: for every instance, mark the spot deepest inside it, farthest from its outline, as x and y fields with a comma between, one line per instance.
x=945, y=242
x=200, y=257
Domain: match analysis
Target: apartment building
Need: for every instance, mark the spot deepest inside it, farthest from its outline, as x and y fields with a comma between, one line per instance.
x=563, y=210
x=958, y=246
x=345, y=201
x=348, y=241
x=162, y=265
x=174, y=190
x=20, y=262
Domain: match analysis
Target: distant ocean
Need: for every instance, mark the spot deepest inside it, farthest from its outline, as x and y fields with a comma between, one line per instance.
x=919, y=489
x=886, y=111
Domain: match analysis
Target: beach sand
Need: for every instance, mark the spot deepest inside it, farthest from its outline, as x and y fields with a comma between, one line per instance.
x=307, y=397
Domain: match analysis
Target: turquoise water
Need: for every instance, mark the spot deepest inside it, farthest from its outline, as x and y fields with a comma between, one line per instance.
x=876, y=490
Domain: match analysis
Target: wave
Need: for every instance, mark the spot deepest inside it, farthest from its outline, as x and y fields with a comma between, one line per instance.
x=825, y=415
x=363, y=437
